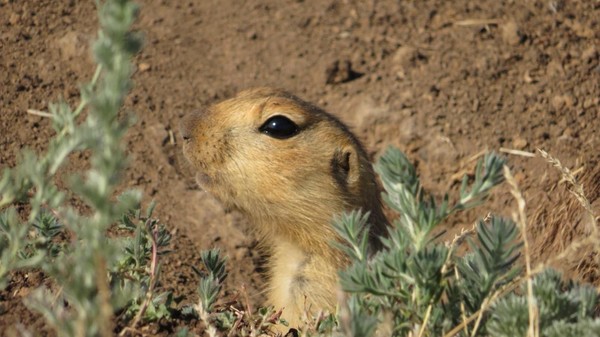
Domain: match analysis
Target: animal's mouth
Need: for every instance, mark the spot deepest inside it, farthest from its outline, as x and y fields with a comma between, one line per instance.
x=186, y=150
x=202, y=178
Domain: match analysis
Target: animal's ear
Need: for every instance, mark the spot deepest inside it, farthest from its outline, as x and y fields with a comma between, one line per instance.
x=345, y=167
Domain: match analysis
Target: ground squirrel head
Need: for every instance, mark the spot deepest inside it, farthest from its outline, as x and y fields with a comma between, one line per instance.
x=285, y=163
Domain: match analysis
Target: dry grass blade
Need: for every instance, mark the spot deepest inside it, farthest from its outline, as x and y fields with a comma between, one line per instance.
x=39, y=113
x=463, y=311
x=456, y=241
x=517, y=152
x=521, y=220
x=478, y=22
x=466, y=167
x=577, y=190
x=425, y=320
x=484, y=306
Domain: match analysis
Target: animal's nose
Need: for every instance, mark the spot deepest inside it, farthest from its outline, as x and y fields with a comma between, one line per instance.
x=188, y=125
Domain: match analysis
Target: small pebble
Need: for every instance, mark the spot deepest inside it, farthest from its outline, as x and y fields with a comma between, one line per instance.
x=519, y=143
x=511, y=33
x=142, y=67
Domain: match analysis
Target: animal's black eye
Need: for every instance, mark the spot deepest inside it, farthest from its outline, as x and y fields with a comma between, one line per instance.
x=279, y=127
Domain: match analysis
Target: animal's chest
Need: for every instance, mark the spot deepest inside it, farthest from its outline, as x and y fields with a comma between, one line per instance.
x=289, y=274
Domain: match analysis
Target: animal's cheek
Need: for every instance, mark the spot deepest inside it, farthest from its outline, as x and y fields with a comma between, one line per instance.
x=212, y=154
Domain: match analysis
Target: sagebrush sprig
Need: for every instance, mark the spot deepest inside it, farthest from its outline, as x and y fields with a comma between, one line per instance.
x=422, y=288
x=353, y=228
x=13, y=245
x=82, y=272
x=95, y=276
x=488, y=266
x=420, y=212
x=563, y=306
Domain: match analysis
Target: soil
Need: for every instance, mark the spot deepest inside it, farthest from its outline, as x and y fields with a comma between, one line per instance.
x=442, y=80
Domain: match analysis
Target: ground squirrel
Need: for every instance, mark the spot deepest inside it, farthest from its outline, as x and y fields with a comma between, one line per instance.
x=290, y=168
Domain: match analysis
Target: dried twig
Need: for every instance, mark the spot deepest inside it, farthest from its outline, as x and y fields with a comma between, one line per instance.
x=106, y=310
x=171, y=138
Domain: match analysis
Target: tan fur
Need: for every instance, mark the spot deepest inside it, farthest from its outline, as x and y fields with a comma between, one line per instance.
x=290, y=189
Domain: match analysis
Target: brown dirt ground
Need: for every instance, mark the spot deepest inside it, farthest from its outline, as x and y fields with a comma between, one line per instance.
x=442, y=80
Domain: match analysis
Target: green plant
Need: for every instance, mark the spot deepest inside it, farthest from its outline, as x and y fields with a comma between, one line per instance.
x=565, y=309
x=234, y=317
x=142, y=241
x=416, y=286
x=211, y=283
x=95, y=272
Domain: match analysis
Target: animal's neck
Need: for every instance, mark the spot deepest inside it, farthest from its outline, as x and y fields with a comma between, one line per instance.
x=300, y=279
x=312, y=236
